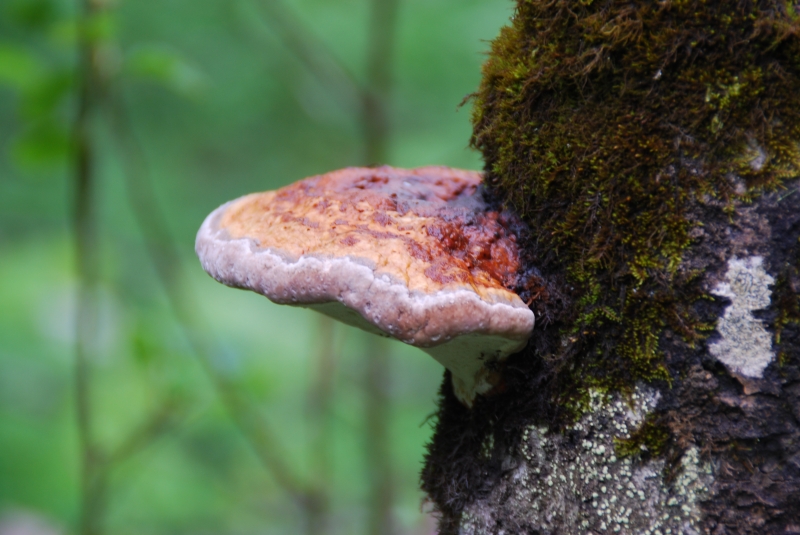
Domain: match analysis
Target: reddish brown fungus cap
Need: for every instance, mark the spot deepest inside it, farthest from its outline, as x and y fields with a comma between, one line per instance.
x=412, y=254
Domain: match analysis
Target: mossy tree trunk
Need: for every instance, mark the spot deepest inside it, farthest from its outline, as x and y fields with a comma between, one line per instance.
x=653, y=148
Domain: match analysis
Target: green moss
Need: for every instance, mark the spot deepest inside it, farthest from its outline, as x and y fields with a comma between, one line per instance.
x=650, y=438
x=602, y=121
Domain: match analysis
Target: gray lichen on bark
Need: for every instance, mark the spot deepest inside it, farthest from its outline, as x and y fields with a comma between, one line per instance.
x=573, y=482
x=745, y=346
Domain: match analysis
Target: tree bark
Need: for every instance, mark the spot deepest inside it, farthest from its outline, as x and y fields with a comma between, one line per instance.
x=653, y=149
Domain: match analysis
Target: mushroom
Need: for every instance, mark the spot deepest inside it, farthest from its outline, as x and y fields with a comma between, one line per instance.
x=415, y=255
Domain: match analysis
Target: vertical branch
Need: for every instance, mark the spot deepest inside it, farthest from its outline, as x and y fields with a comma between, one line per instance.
x=375, y=124
x=313, y=53
x=320, y=397
x=380, y=53
x=378, y=451
x=86, y=258
x=96, y=462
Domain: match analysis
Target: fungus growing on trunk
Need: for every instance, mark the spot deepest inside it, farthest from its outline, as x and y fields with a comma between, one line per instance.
x=415, y=255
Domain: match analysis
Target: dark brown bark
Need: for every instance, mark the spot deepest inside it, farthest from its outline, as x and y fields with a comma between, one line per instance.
x=741, y=434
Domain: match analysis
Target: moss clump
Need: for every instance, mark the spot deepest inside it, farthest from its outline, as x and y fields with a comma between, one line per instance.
x=650, y=438
x=601, y=123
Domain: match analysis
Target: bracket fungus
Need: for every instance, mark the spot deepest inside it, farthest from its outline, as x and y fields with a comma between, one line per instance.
x=415, y=255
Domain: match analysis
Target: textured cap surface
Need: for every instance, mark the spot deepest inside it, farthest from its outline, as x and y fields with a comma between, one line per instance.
x=414, y=254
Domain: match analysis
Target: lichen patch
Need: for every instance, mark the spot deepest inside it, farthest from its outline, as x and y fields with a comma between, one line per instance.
x=578, y=480
x=745, y=346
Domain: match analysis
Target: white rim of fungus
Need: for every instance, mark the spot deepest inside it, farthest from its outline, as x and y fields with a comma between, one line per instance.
x=456, y=327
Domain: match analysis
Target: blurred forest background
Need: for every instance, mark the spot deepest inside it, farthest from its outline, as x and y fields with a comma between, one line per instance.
x=139, y=396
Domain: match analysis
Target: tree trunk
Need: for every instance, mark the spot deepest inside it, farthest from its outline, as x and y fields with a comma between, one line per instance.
x=653, y=149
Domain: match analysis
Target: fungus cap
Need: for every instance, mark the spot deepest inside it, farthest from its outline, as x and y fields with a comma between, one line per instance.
x=411, y=254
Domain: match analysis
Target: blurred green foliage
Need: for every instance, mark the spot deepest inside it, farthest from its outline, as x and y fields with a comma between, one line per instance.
x=220, y=108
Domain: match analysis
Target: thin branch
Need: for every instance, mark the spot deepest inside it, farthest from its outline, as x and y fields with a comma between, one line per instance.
x=320, y=399
x=378, y=451
x=87, y=270
x=161, y=421
x=263, y=442
x=380, y=63
x=313, y=53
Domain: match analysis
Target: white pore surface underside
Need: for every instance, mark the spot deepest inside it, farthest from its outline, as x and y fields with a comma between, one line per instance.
x=470, y=377
x=456, y=327
x=745, y=346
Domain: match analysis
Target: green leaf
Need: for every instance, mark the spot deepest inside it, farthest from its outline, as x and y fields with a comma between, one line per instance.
x=32, y=14
x=166, y=67
x=98, y=28
x=64, y=33
x=144, y=345
x=19, y=68
x=43, y=145
x=41, y=100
